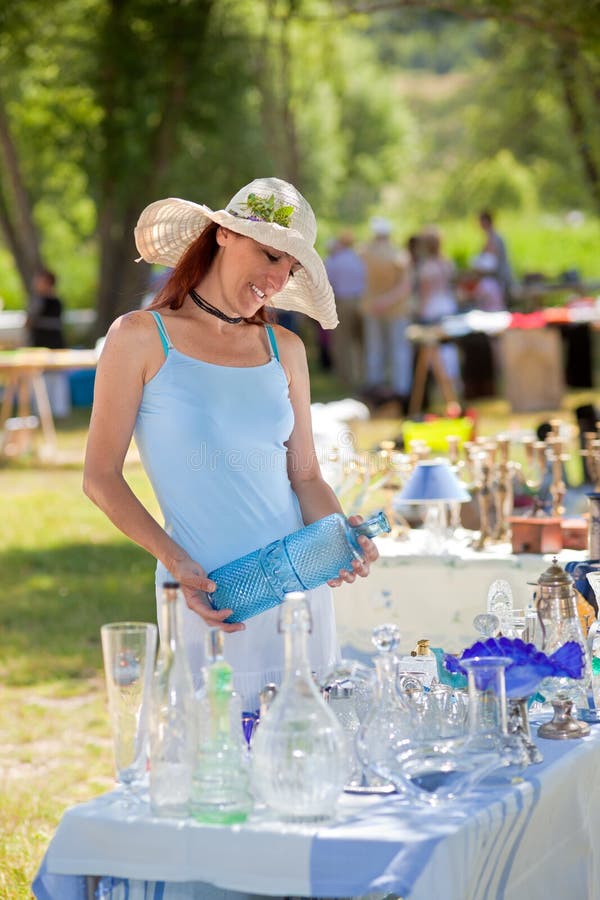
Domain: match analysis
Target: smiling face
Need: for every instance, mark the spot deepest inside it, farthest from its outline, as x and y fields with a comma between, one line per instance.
x=246, y=274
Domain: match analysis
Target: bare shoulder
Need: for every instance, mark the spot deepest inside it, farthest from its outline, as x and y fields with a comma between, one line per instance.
x=132, y=346
x=133, y=331
x=138, y=323
x=291, y=347
x=292, y=354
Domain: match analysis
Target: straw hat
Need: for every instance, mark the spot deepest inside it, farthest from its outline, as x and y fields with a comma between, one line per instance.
x=268, y=210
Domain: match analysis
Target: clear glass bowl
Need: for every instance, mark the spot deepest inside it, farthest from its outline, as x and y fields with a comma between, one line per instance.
x=434, y=773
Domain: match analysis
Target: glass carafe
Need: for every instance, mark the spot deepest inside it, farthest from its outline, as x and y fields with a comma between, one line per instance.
x=487, y=714
x=172, y=731
x=389, y=721
x=299, y=751
x=220, y=782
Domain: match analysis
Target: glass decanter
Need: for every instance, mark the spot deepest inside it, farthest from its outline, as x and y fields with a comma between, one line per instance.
x=348, y=690
x=389, y=721
x=172, y=732
x=220, y=782
x=487, y=717
x=299, y=750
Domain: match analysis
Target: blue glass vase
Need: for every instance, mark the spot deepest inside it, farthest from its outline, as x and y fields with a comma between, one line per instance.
x=300, y=561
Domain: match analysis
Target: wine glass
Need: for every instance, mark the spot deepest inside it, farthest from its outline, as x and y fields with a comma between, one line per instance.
x=128, y=650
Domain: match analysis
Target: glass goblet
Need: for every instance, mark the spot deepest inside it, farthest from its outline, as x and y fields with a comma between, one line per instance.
x=128, y=650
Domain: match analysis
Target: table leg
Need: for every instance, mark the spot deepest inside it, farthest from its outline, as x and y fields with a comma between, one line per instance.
x=442, y=377
x=38, y=386
x=8, y=400
x=417, y=393
x=23, y=395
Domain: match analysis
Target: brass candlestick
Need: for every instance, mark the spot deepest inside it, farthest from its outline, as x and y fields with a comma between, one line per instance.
x=558, y=488
x=392, y=481
x=503, y=490
x=484, y=499
x=591, y=454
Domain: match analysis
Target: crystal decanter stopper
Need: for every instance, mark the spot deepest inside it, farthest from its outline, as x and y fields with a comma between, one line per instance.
x=500, y=603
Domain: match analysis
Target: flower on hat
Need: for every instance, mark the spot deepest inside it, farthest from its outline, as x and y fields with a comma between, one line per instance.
x=264, y=209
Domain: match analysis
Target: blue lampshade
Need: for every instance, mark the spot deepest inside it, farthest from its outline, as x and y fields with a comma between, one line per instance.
x=432, y=480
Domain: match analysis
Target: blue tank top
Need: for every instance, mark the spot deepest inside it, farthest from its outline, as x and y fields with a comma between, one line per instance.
x=211, y=439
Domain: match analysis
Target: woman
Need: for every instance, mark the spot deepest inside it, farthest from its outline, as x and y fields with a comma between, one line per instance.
x=219, y=402
x=436, y=295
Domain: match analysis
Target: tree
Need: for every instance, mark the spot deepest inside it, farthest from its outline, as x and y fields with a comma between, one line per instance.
x=565, y=37
x=113, y=103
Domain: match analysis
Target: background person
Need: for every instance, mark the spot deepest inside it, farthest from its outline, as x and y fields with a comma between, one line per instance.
x=386, y=311
x=44, y=328
x=219, y=402
x=436, y=294
x=347, y=276
x=495, y=246
x=44, y=313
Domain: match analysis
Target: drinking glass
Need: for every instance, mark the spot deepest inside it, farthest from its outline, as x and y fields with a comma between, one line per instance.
x=129, y=649
x=533, y=633
x=519, y=623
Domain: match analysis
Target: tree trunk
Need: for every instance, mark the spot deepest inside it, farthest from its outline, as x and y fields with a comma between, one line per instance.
x=123, y=282
x=273, y=75
x=567, y=54
x=16, y=217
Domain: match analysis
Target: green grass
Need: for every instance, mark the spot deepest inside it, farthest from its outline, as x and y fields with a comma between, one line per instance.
x=66, y=571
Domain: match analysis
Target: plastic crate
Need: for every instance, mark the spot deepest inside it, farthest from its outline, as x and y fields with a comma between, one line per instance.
x=81, y=384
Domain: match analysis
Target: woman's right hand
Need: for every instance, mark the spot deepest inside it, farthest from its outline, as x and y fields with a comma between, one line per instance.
x=195, y=584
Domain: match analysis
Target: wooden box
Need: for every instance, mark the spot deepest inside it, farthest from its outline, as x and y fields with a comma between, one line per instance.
x=533, y=369
x=536, y=534
x=575, y=534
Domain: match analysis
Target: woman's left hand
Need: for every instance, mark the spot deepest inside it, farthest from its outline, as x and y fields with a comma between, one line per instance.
x=370, y=554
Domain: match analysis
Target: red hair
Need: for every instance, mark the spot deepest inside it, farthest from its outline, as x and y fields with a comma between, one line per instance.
x=191, y=269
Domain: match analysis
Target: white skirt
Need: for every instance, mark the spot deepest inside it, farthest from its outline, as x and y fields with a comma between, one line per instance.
x=256, y=654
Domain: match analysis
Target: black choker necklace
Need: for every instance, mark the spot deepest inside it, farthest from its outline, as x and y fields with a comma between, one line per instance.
x=209, y=308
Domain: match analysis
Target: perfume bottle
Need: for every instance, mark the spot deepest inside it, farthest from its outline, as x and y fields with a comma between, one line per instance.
x=300, y=561
x=220, y=785
x=172, y=733
x=299, y=753
x=422, y=662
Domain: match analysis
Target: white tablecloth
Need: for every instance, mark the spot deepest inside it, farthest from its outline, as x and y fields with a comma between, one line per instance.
x=434, y=597
x=537, y=839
